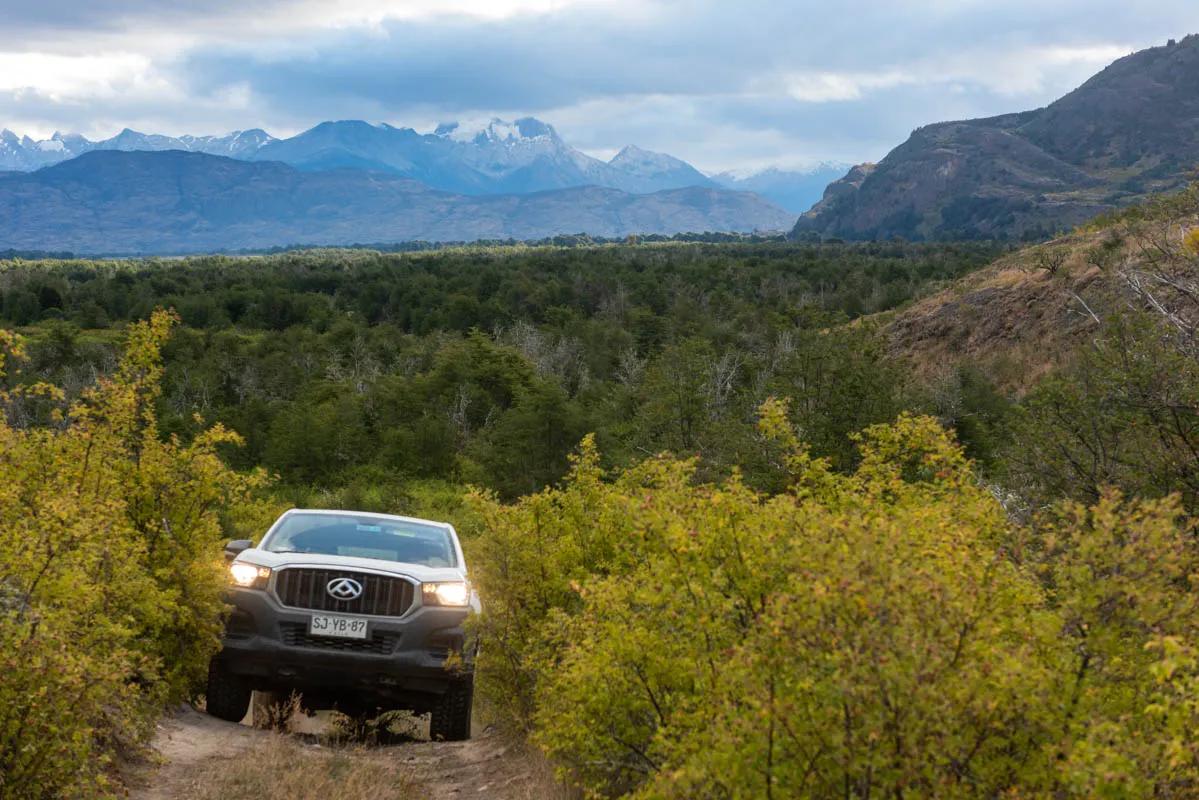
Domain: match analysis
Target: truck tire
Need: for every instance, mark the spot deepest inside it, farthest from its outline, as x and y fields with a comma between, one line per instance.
x=450, y=720
x=228, y=695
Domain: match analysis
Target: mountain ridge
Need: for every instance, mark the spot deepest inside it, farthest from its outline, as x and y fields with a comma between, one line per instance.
x=23, y=154
x=501, y=157
x=1130, y=131
x=495, y=157
x=173, y=202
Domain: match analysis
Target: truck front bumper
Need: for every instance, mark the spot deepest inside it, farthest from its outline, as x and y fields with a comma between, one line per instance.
x=403, y=658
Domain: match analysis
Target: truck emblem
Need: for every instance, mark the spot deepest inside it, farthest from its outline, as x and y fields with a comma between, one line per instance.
x=344, y=589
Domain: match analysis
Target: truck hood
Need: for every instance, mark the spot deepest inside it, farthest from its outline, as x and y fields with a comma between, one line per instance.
x=264, y=558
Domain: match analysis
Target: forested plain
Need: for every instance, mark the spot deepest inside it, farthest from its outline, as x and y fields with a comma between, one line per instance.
x=728, y=544
x=486, y=366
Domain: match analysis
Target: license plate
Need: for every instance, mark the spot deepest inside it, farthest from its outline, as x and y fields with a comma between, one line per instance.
x=342, y=627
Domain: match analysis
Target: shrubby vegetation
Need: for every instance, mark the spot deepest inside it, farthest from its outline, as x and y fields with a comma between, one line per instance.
x=110, y=570
x=881, y=633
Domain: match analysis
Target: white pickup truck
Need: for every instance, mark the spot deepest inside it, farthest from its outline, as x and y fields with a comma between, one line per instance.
x=356, y=611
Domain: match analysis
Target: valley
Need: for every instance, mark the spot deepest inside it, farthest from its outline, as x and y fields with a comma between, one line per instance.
x=685, y=416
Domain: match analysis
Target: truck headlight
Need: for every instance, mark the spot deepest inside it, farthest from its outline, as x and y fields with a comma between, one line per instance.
x=456, y=593
x=249, y=575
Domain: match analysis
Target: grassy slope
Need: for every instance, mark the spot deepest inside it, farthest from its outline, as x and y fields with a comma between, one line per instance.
x=1026, y=313
x=1015, y=319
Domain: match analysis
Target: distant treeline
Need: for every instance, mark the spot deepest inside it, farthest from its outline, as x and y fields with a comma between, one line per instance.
x=480, y=286
x=562, y=240
x=31, y=255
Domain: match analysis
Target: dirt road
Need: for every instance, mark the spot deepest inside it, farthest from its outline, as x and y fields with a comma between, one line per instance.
x=194, y=748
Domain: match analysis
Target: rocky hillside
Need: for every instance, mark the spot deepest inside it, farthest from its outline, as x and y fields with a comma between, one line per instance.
x=177, y=202
x=1128, y=132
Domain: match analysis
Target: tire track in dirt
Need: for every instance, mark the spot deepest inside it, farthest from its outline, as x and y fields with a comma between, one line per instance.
x=489, y=765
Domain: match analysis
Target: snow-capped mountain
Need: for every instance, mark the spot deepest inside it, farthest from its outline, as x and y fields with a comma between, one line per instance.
x=491, y=157
x=238, y=144
x=794, y=190
x=497, y=157
x=643, y=168
x=524, y=155
x=22, y=154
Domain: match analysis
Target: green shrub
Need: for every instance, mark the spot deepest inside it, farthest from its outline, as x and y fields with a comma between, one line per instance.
x=884, y=633
x=110, y=573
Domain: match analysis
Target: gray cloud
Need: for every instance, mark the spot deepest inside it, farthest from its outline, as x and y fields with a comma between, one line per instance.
x=30, y=24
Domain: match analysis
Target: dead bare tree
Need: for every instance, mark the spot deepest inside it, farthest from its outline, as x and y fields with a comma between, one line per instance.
x=631, y=368
x=722, y=380
x=1051, y=259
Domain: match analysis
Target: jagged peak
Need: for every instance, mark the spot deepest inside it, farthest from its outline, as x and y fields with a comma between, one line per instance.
x=497, y=130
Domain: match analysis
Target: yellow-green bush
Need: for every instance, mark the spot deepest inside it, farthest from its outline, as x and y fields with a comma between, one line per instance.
x=110, y=571
x=884, y=633
x=1191, y=241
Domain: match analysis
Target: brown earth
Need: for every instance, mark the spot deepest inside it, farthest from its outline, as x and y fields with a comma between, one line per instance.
x=1034, y=309
x=199, y=756
x=1015, y=320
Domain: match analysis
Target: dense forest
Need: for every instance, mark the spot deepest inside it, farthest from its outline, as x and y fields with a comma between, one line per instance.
x=487, y=365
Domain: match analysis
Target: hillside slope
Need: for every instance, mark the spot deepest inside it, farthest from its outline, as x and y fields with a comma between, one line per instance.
x=175, y=202
x=1130, y=131
x=1027, y=313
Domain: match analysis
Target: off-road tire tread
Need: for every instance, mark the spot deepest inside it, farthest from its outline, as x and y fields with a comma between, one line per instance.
x=227, y=696
x=450, y=720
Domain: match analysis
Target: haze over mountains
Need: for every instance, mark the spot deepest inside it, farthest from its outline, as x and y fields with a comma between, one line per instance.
x=794, y=190
x=518, y=157
x=1130, y=131
x=171, y=202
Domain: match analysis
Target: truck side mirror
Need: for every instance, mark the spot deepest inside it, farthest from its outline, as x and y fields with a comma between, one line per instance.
x=235, y=547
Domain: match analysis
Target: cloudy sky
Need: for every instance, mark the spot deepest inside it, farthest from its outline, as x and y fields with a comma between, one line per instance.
x=738, y=84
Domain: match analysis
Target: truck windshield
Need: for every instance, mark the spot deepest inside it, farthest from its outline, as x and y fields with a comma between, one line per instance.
x=364, y=537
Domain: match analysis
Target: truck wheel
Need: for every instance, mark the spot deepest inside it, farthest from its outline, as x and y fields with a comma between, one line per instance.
x=451, y=716
x=228, y=695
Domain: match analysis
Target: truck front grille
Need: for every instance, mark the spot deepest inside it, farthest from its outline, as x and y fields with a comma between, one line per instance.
x=305, y=587
x=295, y=634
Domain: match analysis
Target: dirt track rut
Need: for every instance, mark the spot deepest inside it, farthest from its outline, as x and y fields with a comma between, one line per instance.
x=488, y=765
